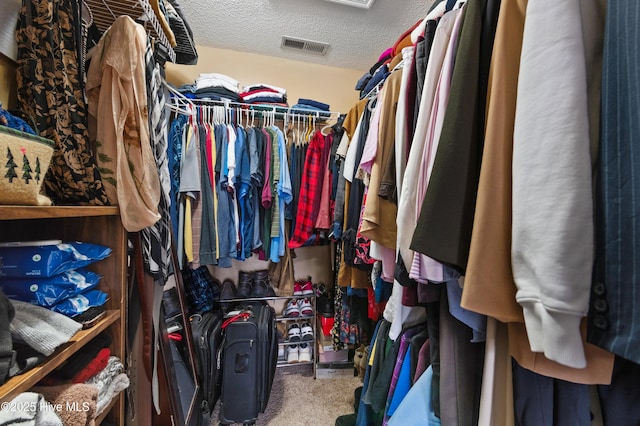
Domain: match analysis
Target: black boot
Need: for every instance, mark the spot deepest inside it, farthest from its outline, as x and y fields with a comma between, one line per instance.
x=262, y=285
x=245, y=284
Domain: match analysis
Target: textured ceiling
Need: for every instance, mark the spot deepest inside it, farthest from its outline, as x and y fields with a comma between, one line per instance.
x=356, y=36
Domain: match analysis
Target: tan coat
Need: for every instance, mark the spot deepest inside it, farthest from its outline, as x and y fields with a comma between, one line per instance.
x=489, y=287
x=350, y=276
x=379, y=218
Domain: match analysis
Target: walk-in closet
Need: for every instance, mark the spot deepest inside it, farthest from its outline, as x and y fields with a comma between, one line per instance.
x=319, y=212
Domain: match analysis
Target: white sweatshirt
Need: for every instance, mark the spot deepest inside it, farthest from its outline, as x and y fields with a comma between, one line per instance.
x=553, y=239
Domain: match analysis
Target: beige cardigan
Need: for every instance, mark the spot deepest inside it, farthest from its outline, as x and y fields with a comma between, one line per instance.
x=116, y=89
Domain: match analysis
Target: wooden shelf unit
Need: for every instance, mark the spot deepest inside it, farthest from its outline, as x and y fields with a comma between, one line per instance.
x=97, y=225
x=24, y=382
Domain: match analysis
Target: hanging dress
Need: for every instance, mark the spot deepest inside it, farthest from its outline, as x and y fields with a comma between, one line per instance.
x=49, y=89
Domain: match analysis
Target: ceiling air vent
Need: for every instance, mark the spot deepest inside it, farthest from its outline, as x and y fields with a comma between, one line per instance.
x=364, y=4
x=315, y=47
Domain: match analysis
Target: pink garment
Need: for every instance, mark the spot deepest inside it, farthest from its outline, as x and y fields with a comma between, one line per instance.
x=386, y=256
x=370, y=149
x=385, y=54
x=209, y=151
x=406, y=219
x=324, y=220
x=423, y=267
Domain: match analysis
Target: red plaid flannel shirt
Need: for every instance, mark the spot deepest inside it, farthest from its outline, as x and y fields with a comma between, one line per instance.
x=310, y=191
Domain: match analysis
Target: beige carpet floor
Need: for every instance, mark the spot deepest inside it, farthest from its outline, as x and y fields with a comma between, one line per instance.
x=297, y=399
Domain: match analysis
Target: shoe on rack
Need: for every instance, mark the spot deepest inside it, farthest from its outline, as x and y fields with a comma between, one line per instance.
x=261, y=284
x=297, y=288
x=304, y=352
x=306, y=331
x=292, y=310
x=245, y=284
x=294, y=334
x=292, y=354
x=228, y=291
x=307, y=287
x=281, y=351
x=304, y=306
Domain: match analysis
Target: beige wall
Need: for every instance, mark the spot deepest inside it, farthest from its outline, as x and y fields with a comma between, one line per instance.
x=7, y=82
x=331, y=85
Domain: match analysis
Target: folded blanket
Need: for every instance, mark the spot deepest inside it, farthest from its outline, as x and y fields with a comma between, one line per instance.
x=109, y=381
x=77, y=403
x=117, y=385
x=81, y=359
x=94, y=367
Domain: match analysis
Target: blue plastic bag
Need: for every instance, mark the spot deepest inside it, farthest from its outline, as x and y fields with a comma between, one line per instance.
x=48, y=260
x=75, y=305
x=47, y=291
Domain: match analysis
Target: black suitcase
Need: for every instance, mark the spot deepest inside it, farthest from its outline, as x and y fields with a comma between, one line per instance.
x=249, y=362
x=206, y=329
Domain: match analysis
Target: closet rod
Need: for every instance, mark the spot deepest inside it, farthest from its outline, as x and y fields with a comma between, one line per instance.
x=374, y=92
x=320, y=115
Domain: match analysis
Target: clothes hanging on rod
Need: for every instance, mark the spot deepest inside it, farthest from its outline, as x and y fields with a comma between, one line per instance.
x=465, y=234
x=125, y=156
x=237, y=203
x=50, y=90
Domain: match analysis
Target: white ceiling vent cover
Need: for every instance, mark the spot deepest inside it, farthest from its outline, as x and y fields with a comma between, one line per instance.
x=364, y=4
x=315, y=47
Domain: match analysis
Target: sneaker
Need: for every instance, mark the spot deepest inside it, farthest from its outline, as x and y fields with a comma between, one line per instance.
x=292, y=310
x=292, y=354
x=307, y=331
x=297, y=289
x=294, y=333
x=281, y=351
x=304, y=353
x=307, y=288
x=304, y=307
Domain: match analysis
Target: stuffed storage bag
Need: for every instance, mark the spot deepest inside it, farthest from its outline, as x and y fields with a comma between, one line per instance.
x=26, y=160
x=48, y=260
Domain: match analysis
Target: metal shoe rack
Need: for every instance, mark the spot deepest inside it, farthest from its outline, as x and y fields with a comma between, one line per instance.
x=311, y=319
x=278, y=303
